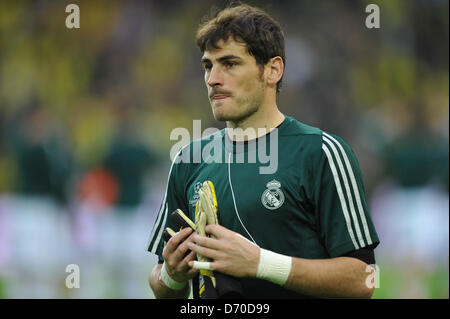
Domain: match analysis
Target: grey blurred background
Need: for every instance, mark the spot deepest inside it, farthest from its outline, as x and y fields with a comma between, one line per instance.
x=86, y=115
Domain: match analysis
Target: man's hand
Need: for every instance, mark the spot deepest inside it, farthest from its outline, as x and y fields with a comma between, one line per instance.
x=232, y=254
x=175, y=259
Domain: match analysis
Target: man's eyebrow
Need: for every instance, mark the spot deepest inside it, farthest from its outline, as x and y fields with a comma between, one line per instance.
x=222, y=58
x=228, y=57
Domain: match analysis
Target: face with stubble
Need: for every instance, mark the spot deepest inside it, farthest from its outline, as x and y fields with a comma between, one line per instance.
x=235, y=82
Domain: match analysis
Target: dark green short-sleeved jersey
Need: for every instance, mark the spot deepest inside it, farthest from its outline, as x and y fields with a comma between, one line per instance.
x=297, y=191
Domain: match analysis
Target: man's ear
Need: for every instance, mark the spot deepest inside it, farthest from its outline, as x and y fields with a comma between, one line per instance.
x=274, y=70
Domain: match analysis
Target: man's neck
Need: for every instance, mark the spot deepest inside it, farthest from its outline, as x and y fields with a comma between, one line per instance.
x=258, y=124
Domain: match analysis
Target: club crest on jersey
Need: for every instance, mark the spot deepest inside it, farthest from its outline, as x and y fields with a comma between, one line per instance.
x=272, y=198
x=196, y=197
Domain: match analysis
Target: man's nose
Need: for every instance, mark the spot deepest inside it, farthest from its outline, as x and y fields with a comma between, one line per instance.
x=215, y=77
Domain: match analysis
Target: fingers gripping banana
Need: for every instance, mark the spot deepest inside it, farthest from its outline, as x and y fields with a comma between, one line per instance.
x=206, y=214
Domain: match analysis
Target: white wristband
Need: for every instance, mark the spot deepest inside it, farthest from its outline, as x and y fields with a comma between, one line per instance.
x=274, y=267
x=168, y=281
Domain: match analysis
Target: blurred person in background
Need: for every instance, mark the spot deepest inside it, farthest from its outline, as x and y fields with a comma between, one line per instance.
x=109, y=207
x=129, y=161
x=38, y=217
x=411, y=208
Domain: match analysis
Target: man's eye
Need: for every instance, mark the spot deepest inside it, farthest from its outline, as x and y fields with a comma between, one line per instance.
x=230, y=64
x=207, y=67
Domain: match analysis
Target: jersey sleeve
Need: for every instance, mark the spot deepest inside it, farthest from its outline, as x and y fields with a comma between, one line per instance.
x=174, y=198
x=340, y=200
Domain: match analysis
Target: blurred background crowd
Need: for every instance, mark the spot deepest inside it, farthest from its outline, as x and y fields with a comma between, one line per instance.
x=86, y=116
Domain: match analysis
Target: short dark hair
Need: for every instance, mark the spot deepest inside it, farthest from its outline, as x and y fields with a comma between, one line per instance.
x=260, y=32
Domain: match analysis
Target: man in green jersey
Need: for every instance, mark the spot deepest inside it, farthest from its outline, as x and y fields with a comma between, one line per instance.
x=294, y=223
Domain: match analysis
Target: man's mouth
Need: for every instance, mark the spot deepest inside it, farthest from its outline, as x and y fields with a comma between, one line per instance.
x=217, y=97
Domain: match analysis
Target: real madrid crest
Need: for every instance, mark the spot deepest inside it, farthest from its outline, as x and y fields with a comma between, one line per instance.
x=272, y=198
